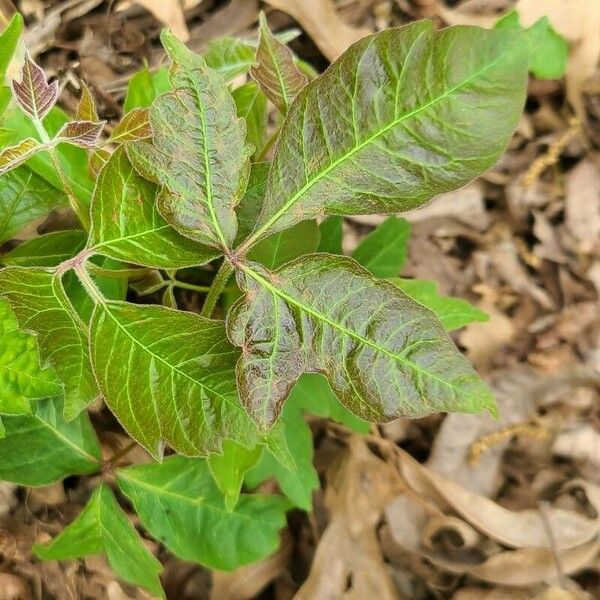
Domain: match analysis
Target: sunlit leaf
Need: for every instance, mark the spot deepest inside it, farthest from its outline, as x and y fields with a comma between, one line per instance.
x=198, y=152
x=452, y=312
x=9, y=39
x=168, y=376
x=103, y=528
x=33, y=93
x=385, y=356
x=126, y=225
x=401, y=116
x=22, y=378
x=144, y=87
x=60, y=448
x=24, y=197
x=275, y=69
x=86, y=109
x=383, y=252
x=16, y=155
x=180, y=504
x=47, y=250
x=39, y=301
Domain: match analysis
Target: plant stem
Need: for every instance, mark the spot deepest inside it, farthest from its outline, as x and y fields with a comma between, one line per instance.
x=191, y=286
x=78, y=207
x=268, y=146
x=122, y=453
x=88, y=283
x=216, y=289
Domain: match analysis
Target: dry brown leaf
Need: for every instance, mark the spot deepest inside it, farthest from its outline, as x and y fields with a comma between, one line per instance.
x=516, y=529
x=7, y=497
x=555, y=593
x=582, y=204
x=498, y=593
x=516, y=391
x=14, y=588
x=323, y=24
x=349, y=550
x=169, y=13
x=581, y=444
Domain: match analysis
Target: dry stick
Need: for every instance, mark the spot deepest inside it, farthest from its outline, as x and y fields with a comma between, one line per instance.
x=562, y=580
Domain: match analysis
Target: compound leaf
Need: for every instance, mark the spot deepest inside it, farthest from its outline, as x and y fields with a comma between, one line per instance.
x=228, y=469
x=453, y=313
x=47, y=250
x=24, y=197
x=401, y=116
x=125, y=224
x=385, y=356
x=41, y=306
x=198, y=151
x=103, y=527
x=42, y=447
x=21, y=377
x=275, y=69
x=384, y=250
x=13, y=156
x=180, y=504
x=168, y=376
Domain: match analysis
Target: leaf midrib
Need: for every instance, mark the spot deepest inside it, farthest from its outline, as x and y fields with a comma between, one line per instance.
x=352, y=334
x=309, y=184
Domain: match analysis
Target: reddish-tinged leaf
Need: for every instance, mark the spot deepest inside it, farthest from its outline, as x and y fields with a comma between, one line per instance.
x=98, y=159
x=13, y=156
x=33, y=93
x=84, y=134
x=275, y=70
x=86, y=110
x=135, y=125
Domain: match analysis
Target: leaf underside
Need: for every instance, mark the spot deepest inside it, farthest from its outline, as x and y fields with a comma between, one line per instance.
x=385, y=356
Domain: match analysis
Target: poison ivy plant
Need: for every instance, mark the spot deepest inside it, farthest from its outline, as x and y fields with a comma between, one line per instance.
x=204, y=198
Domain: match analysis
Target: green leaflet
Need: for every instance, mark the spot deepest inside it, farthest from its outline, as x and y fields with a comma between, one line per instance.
x=180, y=504
x=21, y=377
x=275, y=69
x=549, y=50
x=103, y=527
x=251, y=106
x=9, y=38
x=384, y=250
x=249, y=207
x=42, y=447
x=198, y=152
x=401, y=116
x=228, y=469
x=47, y=250
x=452, y=312
x=229, y=57
x=332, y=233
x=281, y=247
x=297, y=484
x=385, y=356
x=126, y=225
x=38, y=299
x=144, y=87
x=178, y=386
x=25, y=197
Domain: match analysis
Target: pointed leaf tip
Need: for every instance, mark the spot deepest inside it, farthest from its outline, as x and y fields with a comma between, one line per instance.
x=33, y=93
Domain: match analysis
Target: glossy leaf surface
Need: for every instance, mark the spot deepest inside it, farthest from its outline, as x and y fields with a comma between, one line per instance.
x=127, y=226
x=383, y=252
x=24, y=197
x=21, y=376
x=401, y=116
x=453, y=313
x=180, y=504
x=385, y=356
x=178, y=386
x=198, y=151
x=47, y=250
x=275, y=69
x=41, y=448
x=41, y=305
x=103, y=527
